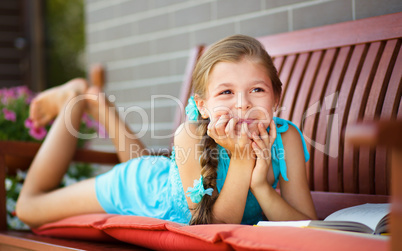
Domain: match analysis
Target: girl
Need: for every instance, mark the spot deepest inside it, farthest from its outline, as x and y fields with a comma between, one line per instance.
x=226, y=161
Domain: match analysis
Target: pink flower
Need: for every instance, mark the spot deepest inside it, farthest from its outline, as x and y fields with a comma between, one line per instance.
x=89, y=122
x=9, y=115
x=28, y=123
x=102, y=132
x=38, y=133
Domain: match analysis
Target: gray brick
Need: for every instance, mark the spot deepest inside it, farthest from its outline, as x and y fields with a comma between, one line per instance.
x=270, y=4
x=322, y=14
x=121, y=31
x=104, y=56
x=168, y=89
x=132, y=7
x=162, y=114
x=125, y=74
x=93, y=37
x=130, y=95
x=370, y=8
x=163, y=3
x=102, y=14
x=153, y=24
x=193, y=15
x=155, y=69
x=133, y=50
x=265, y=25
x=227, y=8
x=173, y=43
x=213, y=34
x=180, y=65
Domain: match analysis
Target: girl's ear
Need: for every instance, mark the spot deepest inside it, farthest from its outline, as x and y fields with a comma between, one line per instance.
x=201, y=106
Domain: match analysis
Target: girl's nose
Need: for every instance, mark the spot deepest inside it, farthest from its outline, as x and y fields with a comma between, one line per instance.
x=242, y=101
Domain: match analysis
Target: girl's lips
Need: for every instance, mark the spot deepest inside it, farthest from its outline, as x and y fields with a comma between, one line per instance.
x=248, y=121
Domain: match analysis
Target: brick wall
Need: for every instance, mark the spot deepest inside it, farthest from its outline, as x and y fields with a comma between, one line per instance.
x=144, y=44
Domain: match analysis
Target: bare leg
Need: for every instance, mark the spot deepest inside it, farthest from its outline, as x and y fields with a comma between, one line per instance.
x=40, y=200
x=127, y=144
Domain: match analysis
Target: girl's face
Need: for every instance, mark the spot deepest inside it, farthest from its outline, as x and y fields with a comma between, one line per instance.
x=242, y=90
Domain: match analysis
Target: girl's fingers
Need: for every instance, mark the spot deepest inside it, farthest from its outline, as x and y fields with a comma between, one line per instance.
x=263, y=131
x=258, y=151
x=231, y=127
x=272, y=132
x=221, y=125
x=244, y=130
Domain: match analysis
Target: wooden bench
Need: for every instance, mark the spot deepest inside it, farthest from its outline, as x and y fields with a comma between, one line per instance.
x=334, y=76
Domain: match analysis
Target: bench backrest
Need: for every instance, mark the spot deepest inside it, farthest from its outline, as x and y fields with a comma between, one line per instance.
x=338, y=75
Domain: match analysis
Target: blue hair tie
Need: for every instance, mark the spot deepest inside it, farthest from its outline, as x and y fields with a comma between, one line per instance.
x=192, y=110
x=198, y=191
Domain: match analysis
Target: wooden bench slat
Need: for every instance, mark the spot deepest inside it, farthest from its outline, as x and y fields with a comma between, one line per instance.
x=344, y=100
x=278, y=62
x=303, y=102
x=369, y=157
x=308, y=83
x=286, y=73
x=335, y=81
x=392, y=97
x=292, y=89
x=356, y=111
x=388, y=111
x=326, y=101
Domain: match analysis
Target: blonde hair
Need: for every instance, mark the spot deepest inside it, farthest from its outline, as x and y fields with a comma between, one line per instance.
x=230, y=49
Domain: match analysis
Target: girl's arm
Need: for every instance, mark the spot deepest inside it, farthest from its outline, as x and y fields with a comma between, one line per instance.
x=296, y=202
x=229, y=207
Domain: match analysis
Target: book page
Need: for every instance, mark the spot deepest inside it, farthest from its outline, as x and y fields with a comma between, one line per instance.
x=368, y=214
x=301, y=223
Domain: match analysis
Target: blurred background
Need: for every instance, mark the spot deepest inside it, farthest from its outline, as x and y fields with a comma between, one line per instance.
x=145, y=44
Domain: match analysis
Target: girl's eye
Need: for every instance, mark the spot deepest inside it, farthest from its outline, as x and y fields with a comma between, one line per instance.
x=257, y=90
x=226, y=92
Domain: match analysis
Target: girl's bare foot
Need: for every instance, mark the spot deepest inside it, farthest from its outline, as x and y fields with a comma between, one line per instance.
x=48, y=104
x=97, y=75
x=96, y=103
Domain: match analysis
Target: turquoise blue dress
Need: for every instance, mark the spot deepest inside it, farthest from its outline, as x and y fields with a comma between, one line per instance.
x=151, y=185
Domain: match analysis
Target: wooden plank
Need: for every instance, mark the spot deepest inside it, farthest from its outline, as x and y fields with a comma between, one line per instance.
x=303, y=96
x=344, y=100
x=10, y=54
x=333, y=88
x=292, y=89
x=30, y=241
x=333, y=61
x=377, y=161
x=9, y=20
x=286, y=73
x=303, y=99
x=278, y=62
x=389, y=111
x=9, y=5
x=356, y=112
x=29, y=149
x=336, y=35
x=8, y=69
x=3, y=210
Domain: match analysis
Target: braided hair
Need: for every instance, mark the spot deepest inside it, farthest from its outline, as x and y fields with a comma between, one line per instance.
x=230, y=49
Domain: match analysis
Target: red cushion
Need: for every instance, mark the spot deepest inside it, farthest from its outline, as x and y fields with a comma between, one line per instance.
x=160, y=234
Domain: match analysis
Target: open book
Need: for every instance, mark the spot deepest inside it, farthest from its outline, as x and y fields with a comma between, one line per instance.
x=366, y=218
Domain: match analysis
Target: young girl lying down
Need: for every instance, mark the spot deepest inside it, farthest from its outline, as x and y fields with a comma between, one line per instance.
x=227, y=158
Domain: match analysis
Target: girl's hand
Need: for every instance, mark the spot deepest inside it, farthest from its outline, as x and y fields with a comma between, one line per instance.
x=262, y=145
x=223, y=131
